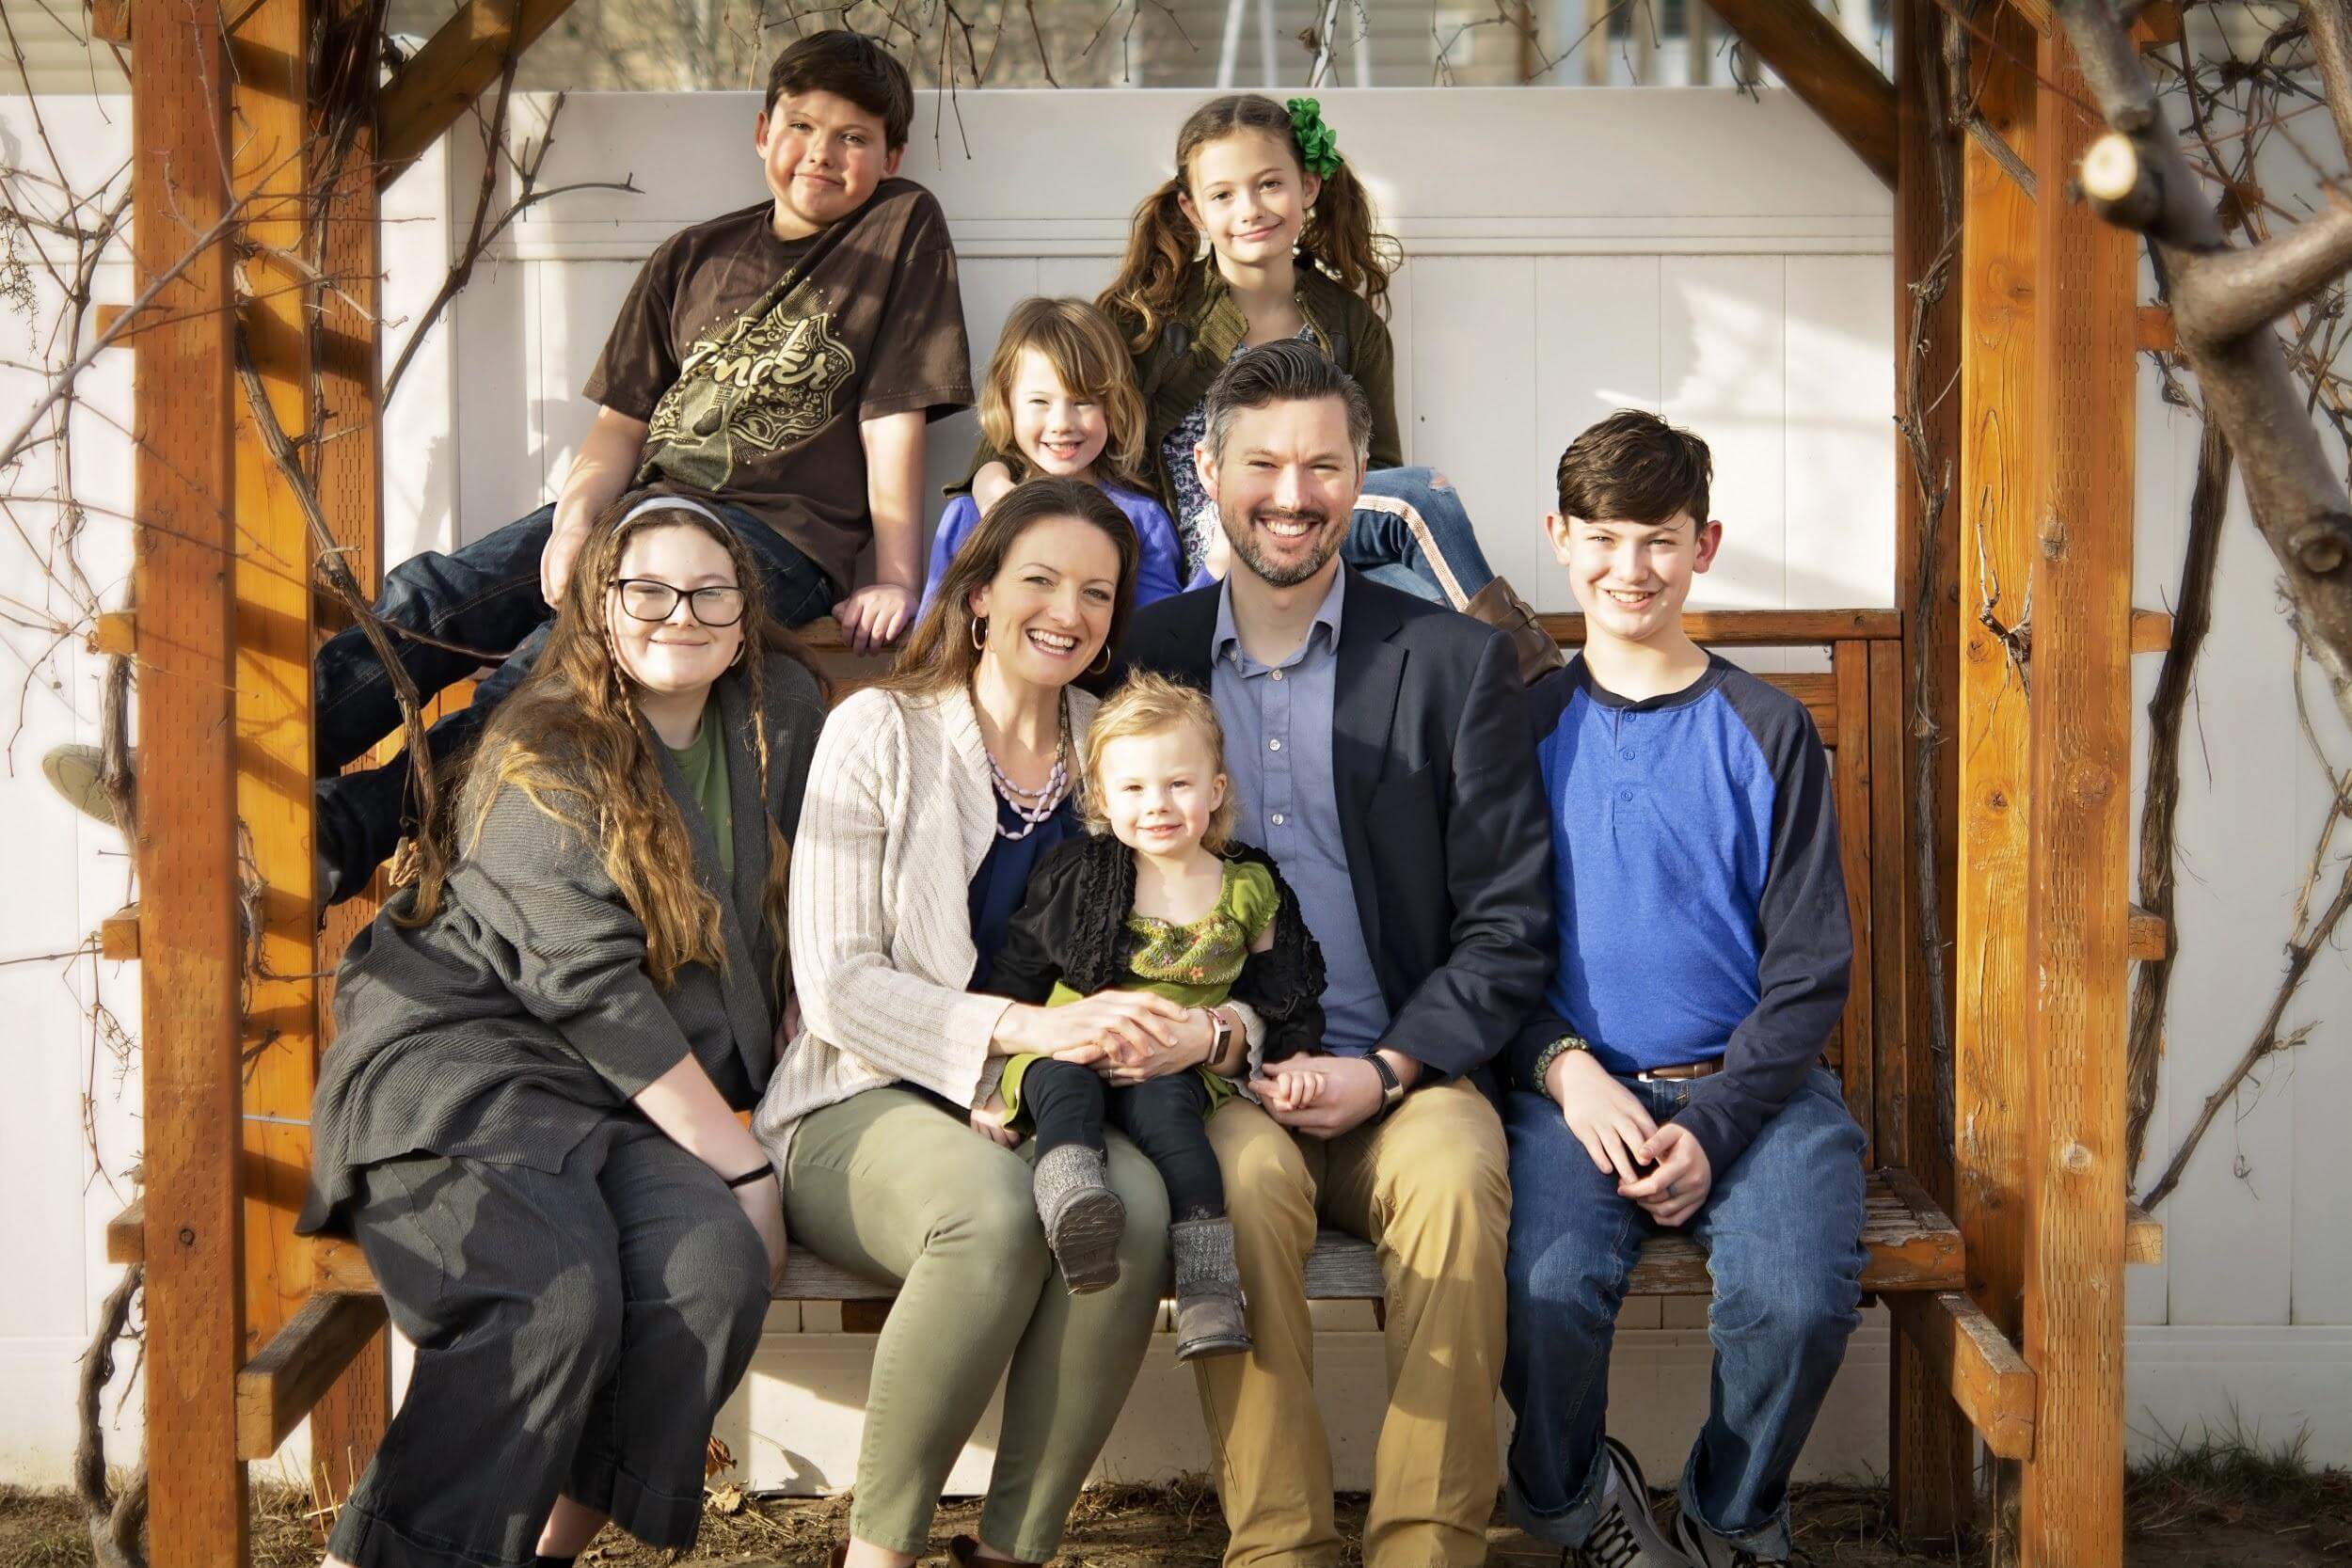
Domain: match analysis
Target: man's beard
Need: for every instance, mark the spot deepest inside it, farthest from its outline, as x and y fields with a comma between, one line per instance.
x=1244, y=540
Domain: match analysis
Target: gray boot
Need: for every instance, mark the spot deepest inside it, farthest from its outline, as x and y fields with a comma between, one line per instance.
x=1209, y=1302
x=1083, y=1218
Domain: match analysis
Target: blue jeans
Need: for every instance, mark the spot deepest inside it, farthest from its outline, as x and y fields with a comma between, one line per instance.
x=485, y=600
x=1783, y=1231
x=1410, y=532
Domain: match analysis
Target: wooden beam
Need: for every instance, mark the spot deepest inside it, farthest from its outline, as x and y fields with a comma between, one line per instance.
x=349, y=1420
x=2143, y=1236
x=1930, y=1462
x=126, y=1234
x=2159, y=24
x=1850, y=781
x=280, y=1386
x=2079, y=856
x=2152, y=324
x=1822, y=66
x=1987, y=1379
x=187, y=846
x=272, y=578
x=456, y=66
x=1993, y=515
x=2148, y=936
x=1718, y=628
x=116, y=633
x=2034, y=13
x=118, y=935
x=2151, y=631
x=110, y=20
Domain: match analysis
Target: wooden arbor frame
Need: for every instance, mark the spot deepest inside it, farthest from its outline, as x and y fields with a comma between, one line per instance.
x=2023, y=303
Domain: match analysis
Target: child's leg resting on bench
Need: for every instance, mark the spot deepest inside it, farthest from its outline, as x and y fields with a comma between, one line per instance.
x=1062, y=1105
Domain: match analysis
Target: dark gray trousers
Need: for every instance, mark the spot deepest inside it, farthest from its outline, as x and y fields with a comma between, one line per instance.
x=576, y=1333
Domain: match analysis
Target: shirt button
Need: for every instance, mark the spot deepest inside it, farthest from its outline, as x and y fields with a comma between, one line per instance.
x=1625, y=795
x=1278, y=674
x=1626, y=753
x=1276, y=819
x=1273, y=744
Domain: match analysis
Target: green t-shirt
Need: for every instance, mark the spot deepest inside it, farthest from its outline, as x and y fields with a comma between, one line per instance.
x=704, y=761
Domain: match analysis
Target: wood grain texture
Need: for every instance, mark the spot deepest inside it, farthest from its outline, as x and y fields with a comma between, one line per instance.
x=1823, y=68
x=2085, y=272
x=1987, y=1379
x=1855, y=1056
x=126, y=1234
x=278, y=1386
x=270, y=104
x=1994, y=516
x=1930, y=1470
x=186, y=849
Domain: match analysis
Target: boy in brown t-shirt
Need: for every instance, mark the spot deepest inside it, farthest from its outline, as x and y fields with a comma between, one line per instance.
x=779, y=364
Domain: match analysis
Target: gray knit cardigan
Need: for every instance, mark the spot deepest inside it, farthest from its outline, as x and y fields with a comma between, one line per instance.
x=519, y=1018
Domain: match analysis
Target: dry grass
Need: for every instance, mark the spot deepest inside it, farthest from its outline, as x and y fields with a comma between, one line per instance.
x=2224, y=1499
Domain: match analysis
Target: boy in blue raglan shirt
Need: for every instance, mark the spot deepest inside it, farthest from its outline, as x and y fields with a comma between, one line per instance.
x=1672, y=1078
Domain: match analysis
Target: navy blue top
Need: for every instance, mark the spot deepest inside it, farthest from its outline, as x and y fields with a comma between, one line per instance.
x=1003, y=879
x=1698, y=889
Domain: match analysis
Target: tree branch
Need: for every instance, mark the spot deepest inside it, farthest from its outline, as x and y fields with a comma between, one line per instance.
x=2297, y=500
x=2234, y=293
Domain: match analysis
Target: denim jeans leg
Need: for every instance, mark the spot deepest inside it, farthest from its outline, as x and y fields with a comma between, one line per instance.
x=1411, y=531
x=1782, y=1229
x=797, y=588
x=482, y=597
x=1573, y=1245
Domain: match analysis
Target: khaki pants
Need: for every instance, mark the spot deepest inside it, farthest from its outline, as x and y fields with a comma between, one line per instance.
x=1429, y=1187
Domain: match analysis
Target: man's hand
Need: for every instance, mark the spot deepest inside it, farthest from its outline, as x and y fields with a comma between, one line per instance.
x=1605, y=1115
x=1672, y=1192
x=872, y=618
x=1347, y=1096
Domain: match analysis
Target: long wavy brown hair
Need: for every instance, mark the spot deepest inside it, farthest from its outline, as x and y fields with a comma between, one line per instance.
x=571, y=739
x=1342, y=235
x=937, y=656
x=1083, y=346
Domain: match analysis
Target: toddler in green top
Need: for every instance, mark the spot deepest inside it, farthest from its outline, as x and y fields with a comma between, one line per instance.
x=1155, y=897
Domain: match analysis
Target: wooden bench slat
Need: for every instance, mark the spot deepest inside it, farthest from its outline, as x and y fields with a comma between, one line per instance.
x=1913, y=1245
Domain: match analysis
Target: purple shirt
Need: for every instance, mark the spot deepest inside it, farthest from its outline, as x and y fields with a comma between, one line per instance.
x=1155, y=572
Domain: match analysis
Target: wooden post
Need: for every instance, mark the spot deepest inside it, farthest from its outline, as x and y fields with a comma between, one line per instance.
x=273, y=588
x=1930, y=1447
x=1994, y=514
x=349, y=1422
x=187, y=862
x=2079, y=852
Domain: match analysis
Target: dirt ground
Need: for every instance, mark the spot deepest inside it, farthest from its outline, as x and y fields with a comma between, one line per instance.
x=2199, y=1511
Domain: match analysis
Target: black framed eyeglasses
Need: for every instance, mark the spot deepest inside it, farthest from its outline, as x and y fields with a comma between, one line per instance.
x=650, y=599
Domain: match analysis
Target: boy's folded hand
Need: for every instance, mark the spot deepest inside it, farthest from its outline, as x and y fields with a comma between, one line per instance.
x=1680, y=1180
x=1605, y=1115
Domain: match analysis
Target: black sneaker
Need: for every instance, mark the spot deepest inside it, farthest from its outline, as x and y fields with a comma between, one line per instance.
x=1625, y=1536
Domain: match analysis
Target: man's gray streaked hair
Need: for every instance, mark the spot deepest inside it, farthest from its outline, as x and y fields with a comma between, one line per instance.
x=1290, y=370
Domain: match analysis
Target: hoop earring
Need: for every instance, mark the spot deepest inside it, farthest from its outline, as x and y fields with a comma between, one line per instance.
x=1104, y=668
x=979, y=633
x=738, y=653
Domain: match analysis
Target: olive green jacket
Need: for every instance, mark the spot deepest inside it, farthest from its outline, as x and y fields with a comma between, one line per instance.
x=1174, y=371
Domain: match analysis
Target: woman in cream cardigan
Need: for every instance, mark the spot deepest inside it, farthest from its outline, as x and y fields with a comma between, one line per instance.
x=928, y=799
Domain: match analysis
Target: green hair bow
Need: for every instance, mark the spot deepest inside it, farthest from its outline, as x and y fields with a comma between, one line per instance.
x=1318, y=149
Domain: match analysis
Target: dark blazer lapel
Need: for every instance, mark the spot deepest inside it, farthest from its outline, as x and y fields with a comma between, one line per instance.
x=1175, y=642
x=1363, y=709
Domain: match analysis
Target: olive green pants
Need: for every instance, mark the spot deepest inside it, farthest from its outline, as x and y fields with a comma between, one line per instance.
x=894, y=1185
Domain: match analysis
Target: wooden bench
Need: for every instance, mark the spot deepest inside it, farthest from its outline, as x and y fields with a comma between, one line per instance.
x=1916, y=1259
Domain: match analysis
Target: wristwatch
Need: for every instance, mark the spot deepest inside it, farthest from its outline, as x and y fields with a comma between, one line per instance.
x=1391, y=1086
x=1222, y=1038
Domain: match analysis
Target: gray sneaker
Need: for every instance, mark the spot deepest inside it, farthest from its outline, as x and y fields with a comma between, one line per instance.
x=1710, y=1550
x=1625, y=1536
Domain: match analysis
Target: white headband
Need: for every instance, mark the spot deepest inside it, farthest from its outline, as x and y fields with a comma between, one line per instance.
x=670, y=503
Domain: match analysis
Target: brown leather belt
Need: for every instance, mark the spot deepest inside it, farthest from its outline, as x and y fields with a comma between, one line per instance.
x=1681, y=1074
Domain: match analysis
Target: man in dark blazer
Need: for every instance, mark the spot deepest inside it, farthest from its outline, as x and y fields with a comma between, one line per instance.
x=1380, y=748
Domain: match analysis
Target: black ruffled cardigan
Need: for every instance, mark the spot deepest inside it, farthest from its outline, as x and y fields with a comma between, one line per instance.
x=1070, y=925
